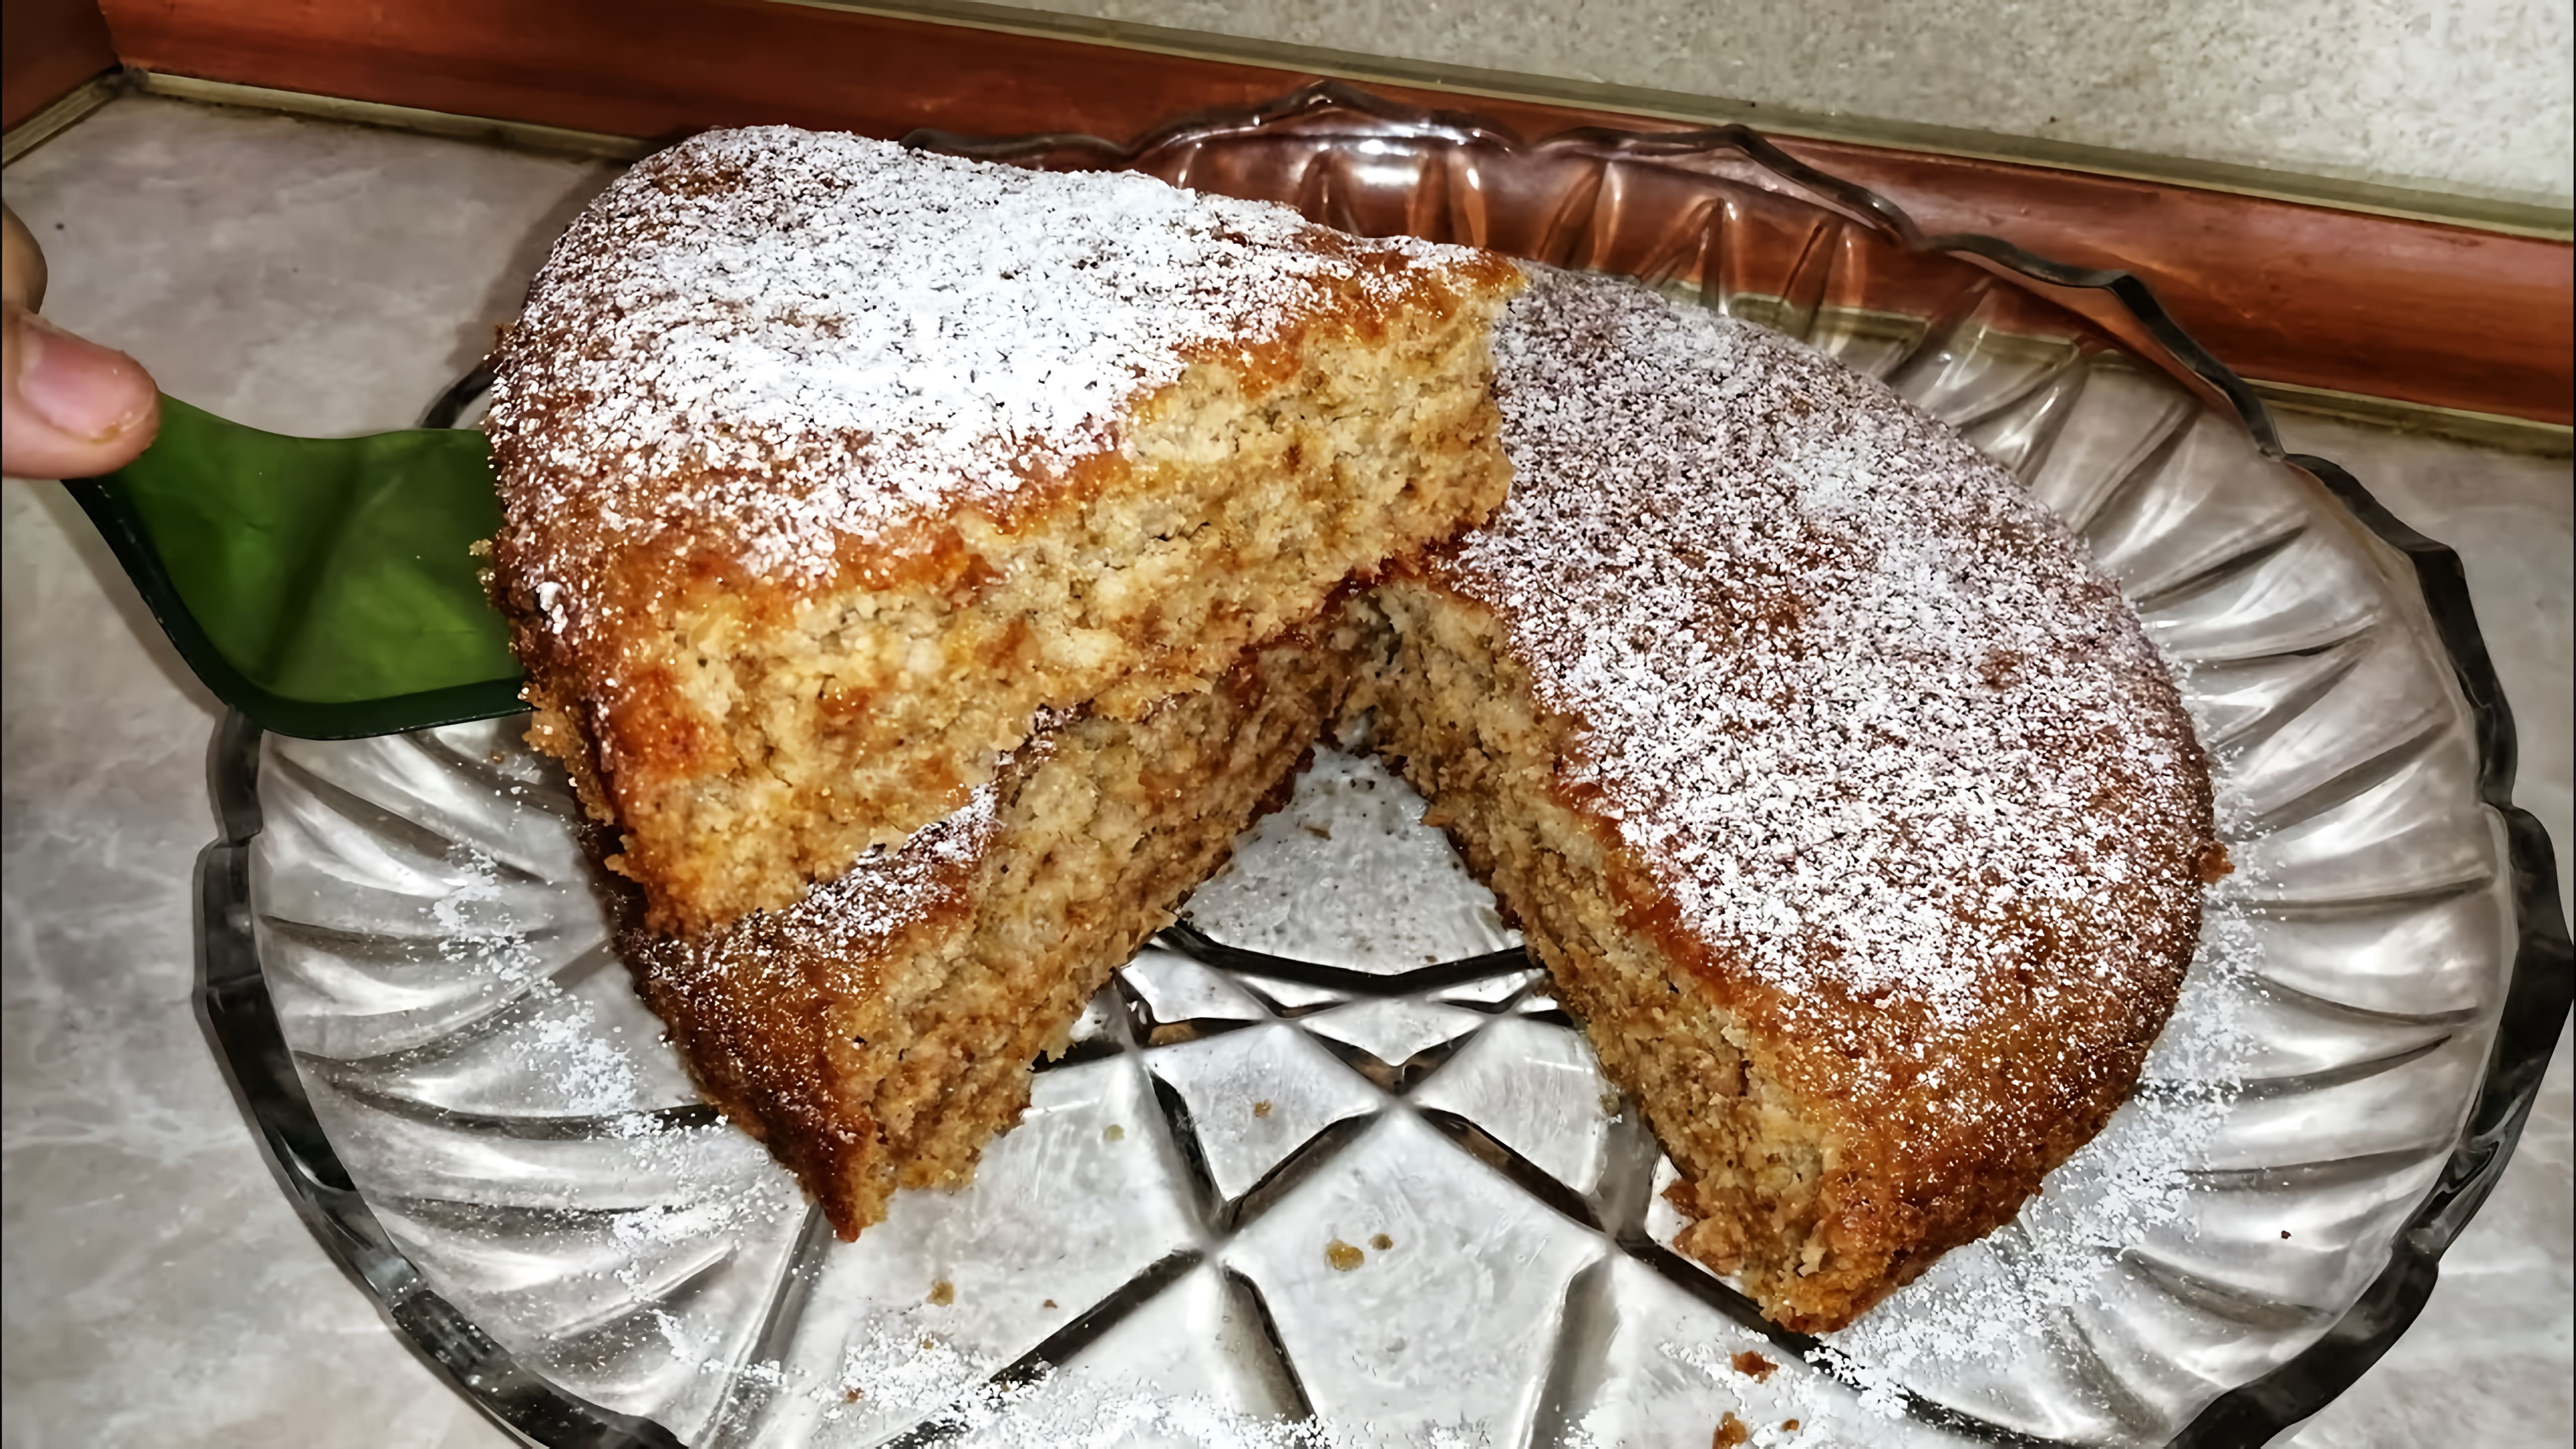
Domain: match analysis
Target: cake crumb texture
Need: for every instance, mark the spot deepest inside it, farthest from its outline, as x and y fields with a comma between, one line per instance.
x=878, y=1032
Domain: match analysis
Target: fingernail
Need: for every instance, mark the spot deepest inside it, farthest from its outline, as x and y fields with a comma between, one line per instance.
x=81, y=388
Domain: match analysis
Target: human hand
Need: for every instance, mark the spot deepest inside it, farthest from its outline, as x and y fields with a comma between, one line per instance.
x=72, y=409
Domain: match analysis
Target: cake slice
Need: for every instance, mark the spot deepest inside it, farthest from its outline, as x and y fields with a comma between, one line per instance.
x=828, y=468
x=1849, y=808
x=879, y=1031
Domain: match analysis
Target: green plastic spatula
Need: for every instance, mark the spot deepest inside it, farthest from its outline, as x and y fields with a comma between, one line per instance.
x=327, y=588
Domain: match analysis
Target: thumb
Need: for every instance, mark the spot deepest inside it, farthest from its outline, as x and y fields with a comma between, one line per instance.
x=69, y=408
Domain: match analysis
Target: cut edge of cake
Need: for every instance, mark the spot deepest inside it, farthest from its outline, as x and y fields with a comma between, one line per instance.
x=880, y=1031
x=1847, y=801
x=1797, y=1196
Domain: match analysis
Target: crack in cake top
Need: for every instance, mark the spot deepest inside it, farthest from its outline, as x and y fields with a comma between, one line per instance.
x=778, y=342
x=1890, y=745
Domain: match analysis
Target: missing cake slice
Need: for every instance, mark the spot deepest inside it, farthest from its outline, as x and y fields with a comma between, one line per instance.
x=879, y=1031
x=828, y=467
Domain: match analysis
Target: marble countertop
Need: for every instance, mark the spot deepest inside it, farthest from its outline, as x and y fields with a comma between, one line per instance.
x=319, y=278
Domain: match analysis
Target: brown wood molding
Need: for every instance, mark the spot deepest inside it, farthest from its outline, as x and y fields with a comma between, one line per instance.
x=2313, y=296
x=48, y=49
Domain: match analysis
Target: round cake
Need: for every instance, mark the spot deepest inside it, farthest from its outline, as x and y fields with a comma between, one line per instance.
x=1848, y=804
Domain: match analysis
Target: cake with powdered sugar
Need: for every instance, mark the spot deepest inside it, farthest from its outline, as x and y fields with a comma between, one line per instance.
x=1848, y=806
x=826, y=466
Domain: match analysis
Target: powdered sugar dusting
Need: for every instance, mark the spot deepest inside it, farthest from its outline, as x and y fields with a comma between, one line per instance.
x=1997, y=1311
x=848, y=920
x=1897, y=753
x=778, y=340
x=928, y=1375
x=1769, y=1405
x=888, y=889
x=587, y=1073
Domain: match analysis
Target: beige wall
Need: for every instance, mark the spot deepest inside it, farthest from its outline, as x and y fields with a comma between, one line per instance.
x=2471, y=97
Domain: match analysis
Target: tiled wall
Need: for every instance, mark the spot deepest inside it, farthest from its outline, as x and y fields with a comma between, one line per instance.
x=2471, y=97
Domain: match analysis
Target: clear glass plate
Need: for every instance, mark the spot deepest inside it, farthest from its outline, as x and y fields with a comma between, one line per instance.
x=1328, y=1164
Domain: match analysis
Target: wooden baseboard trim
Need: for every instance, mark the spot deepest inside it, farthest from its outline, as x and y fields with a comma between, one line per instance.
x=62, y=115
x=2484, y=430
x=482, y=130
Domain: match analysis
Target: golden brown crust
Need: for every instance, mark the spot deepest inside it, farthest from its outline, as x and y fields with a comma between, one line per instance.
x=760, y=1013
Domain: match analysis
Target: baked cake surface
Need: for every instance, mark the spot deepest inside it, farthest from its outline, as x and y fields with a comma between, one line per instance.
x=826, y=466
x=1849, y=806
